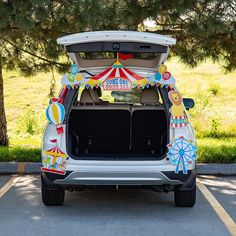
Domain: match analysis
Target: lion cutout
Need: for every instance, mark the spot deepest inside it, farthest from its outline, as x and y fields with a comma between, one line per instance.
x=178, y=118
x=176, y=100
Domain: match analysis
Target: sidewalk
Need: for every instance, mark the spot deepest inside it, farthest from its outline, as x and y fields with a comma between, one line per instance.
x=34, y=168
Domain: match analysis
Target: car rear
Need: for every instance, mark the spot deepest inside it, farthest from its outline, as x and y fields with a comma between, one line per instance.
x=118, y=138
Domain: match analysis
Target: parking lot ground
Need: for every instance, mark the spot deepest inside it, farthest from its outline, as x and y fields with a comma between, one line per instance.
x=112, y=212
x=4, y=179
x=224, y=190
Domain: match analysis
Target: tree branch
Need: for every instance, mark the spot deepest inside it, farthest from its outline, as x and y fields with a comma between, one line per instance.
x=34, y=55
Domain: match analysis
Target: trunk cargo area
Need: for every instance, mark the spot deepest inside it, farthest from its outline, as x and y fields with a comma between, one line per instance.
x=117, y=132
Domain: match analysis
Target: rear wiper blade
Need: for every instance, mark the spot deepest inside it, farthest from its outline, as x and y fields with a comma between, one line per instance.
x=85, y=71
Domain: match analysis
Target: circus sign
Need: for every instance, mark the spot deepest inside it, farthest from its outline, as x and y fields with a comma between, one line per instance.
x=117, y=84
x=117, y=78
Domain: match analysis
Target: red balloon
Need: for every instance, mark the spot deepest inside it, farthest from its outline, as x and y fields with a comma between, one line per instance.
x=166, y=75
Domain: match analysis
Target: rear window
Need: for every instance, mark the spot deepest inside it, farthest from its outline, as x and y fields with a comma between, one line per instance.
x=121, y=97
x=112, y=55
x=103, y=54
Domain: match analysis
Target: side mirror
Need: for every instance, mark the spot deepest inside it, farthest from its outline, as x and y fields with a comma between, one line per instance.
x=188, y=103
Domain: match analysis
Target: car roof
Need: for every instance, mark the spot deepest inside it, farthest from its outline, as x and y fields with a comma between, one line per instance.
x=120, y=36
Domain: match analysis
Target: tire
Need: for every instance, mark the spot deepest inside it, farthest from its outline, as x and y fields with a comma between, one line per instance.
x=185, y=198
x=52, y=197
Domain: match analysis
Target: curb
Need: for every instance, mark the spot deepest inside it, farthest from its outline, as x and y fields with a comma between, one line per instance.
x=216, y=169
x=20, y=168
x=34, y=168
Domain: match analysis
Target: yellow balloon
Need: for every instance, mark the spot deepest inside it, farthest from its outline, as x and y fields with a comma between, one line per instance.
x=79, y=77
x=162, y=69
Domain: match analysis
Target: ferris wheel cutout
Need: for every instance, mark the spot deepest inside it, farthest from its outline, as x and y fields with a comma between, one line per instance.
x=182, y=152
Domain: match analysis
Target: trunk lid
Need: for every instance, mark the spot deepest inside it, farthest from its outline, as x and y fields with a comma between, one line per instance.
x=94, y=51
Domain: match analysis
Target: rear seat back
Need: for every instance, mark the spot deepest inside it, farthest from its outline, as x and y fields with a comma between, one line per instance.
x=89, y=96
x=149, y=131
x=149, y=96
x=108, y=129
x=119, y=127
x=149, y=125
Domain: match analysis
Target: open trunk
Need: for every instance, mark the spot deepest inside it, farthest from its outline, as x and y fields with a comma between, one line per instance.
x=113, y=130
x=117, y=131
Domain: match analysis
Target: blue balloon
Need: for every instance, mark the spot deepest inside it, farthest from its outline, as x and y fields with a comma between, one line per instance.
x=157, y=76
x=74, y=69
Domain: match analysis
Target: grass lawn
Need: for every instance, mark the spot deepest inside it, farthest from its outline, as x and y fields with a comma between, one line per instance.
x=214, y=115
x=213, y=150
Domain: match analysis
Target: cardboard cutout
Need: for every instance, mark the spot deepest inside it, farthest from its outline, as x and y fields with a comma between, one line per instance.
x=118, y=78
x=163, y=77
x=54, y=160
x=182, y=152
x=178, y=118
x=55, y=114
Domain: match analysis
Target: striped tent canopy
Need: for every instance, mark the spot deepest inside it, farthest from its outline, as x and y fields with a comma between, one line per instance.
x=55, y=152
x=117, y=77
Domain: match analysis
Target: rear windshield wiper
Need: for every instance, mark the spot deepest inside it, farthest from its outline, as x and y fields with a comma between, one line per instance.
x=85, y=71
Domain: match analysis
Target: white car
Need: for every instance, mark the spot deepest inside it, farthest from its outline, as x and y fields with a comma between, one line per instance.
x=119, y=120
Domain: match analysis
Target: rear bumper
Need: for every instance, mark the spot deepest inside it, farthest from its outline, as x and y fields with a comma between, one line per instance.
x=122, y=173
x=77, y=178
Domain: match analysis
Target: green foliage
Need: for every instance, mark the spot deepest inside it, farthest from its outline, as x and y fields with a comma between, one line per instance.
x=214, y=88
x=215, y=126
x=213, y=150
x=204, y=29
x=199, y=113
x=30, y=123
x=20, y=154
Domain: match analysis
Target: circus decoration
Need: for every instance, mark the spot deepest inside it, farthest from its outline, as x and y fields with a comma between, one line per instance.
x=54, y=159
x=163, y=77
x=178, y=119
x=74, y=79
x=55, y=113
x=182, y=152
x=118, y=78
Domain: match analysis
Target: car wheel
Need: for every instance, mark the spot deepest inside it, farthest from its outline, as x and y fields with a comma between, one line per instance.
x=185, y=198
x=52, y=197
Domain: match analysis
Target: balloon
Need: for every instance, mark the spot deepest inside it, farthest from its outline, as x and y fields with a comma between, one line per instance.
x=162, y=68
x=71, y=77
x=74, y=69
x=78, y=77
x=157, y=76
x=55, y=113
x=166, y=75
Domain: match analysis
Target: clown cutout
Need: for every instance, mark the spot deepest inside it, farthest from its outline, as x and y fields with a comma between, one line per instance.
x=178, y=118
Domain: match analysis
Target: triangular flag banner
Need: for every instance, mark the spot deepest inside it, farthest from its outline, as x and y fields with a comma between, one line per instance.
x=117, y=78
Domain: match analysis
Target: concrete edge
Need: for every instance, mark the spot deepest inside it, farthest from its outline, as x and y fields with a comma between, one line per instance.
x=20, y=168
x=34, y=168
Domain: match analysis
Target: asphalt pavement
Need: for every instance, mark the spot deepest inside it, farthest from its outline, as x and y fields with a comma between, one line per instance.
x=114, y=212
